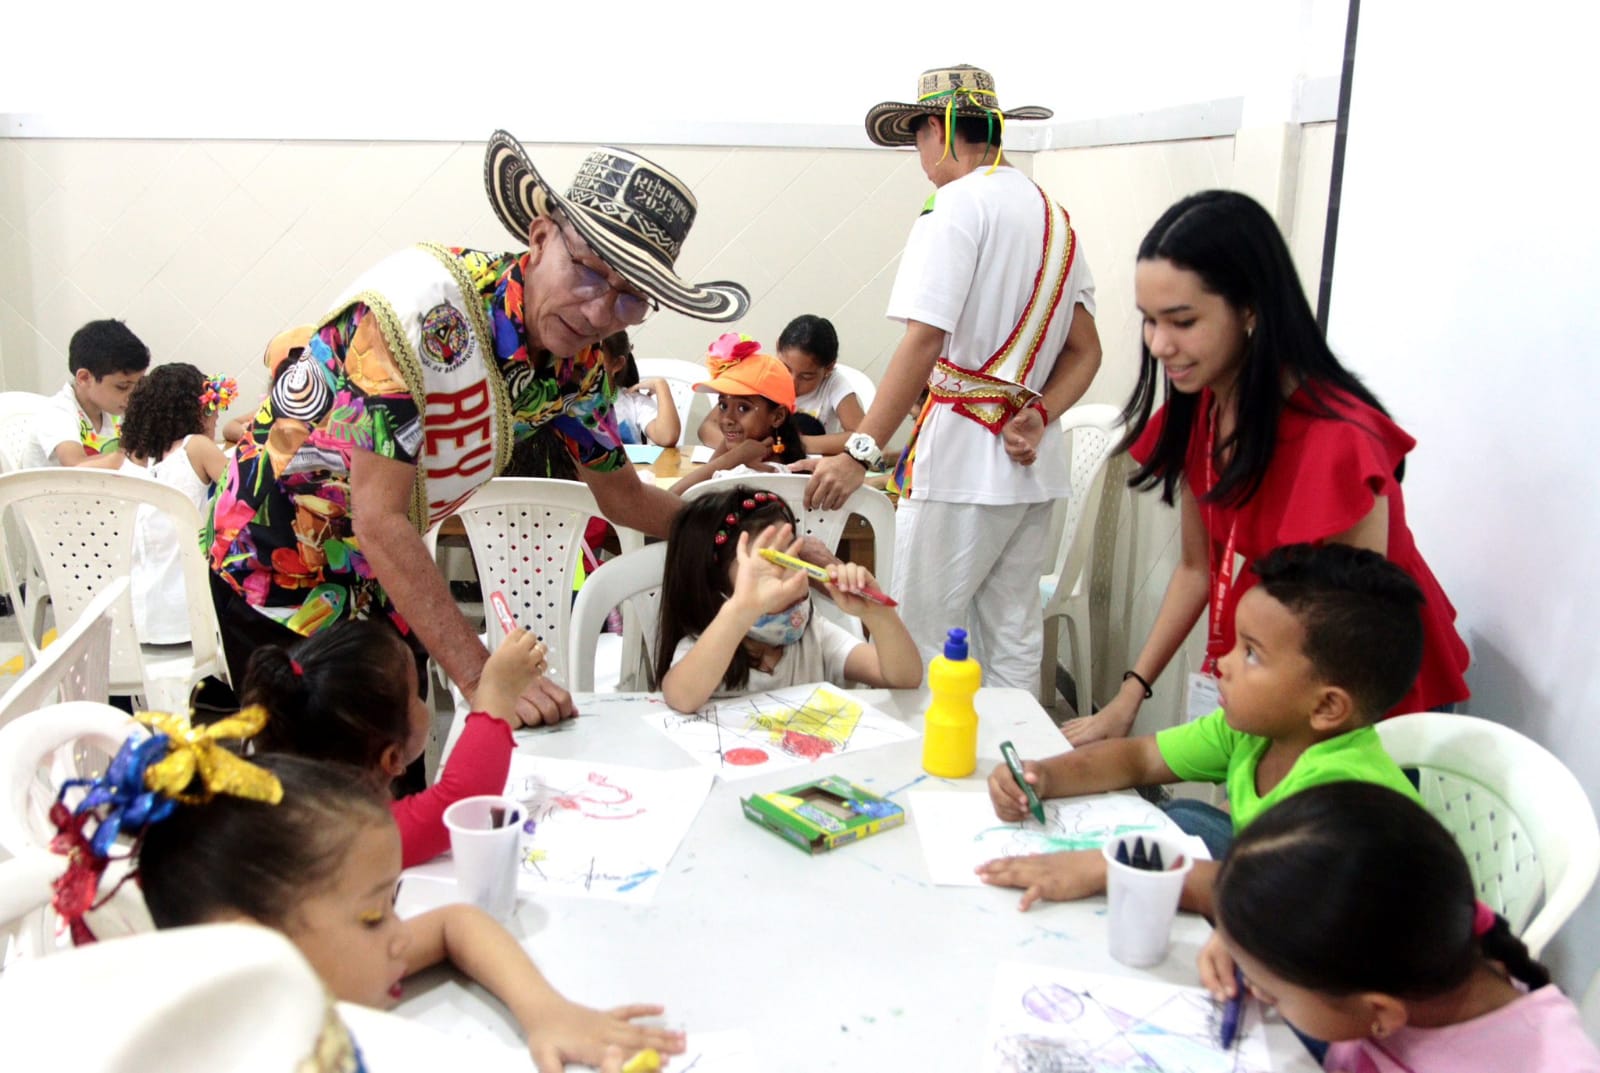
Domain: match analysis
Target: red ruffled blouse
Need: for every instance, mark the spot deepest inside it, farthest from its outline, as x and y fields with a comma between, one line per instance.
x=1324, y=477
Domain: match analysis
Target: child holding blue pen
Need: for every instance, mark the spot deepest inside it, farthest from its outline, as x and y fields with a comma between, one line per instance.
x=733, y=621
x=1328, y=640
x=1352, y=910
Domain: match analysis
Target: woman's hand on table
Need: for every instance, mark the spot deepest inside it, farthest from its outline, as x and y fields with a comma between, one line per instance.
x=577, y=1033
x=1055, y=877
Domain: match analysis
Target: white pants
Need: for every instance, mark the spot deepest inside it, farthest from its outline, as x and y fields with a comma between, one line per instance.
x=977, y=566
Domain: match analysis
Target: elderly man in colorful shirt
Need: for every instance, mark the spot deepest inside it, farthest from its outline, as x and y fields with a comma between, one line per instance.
x=430, y=372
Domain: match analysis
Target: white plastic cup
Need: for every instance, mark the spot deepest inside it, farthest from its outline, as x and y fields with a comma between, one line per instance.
x=486, y=854
x=1143, y=903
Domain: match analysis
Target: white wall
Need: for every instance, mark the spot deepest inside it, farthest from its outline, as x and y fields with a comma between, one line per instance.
x=1467, y=259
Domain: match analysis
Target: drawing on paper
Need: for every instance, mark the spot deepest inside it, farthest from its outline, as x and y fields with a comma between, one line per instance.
x=780, y=729
x=959, y=831
x=1052, y=1020
x=601, y=830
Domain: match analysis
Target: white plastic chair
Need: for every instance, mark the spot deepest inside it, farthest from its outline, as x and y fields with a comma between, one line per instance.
x=19, y=449
x=527, y=536
x=631, y=581
x=681, y=376
x=40, y=750
x=19, y=446
x=1091, y=431
x=859, y=382
x=1522, y=819
x=27, y=923
x=82, y=523
x=76, y=667
x=827, y=526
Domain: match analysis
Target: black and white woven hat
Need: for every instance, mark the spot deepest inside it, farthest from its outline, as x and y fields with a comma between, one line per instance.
x=633, y=213
x=961, y=90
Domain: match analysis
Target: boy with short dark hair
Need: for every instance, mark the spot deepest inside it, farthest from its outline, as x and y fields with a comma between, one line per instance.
x=1328, y=641
x=106, y=361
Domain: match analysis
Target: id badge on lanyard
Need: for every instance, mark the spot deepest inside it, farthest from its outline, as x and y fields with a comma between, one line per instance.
x=1202, y=697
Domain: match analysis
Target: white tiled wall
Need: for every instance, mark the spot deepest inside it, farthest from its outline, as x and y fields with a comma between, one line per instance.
x=208, y=248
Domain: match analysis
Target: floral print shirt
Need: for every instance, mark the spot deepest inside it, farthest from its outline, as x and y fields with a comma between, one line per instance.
x=280, y=531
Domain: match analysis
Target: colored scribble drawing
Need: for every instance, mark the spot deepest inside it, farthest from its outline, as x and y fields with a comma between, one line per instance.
x=1072, y=825
x=1050, y=1020
x=603, y=830
x=779, y=729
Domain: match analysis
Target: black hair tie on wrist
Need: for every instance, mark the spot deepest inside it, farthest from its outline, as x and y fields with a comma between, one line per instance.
x=1137, y=677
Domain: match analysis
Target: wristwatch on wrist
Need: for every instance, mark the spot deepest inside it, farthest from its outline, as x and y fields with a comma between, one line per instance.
x=863, y=449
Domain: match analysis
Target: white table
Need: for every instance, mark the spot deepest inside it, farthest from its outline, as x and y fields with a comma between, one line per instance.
x=847, y=961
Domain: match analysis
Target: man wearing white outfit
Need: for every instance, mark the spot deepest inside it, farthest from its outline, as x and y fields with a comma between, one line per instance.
x=998, y=304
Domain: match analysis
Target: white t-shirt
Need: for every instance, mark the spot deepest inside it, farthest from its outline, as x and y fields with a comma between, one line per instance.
x=61, y=421
x=635, y=410
x=968, y=269
x=823, y=402
x=160, y=608
x=818, y=656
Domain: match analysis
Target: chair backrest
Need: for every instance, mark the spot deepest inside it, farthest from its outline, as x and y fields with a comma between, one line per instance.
x=631, y=581
x=1090, y=431
x=82, y=524
x=859, y=382
x=40, y=750
x=527, y=539
x=827, y=526
x=681, y=376
x=27, y=923
x=1522, y=819
x=19, y=446
x=76, y=667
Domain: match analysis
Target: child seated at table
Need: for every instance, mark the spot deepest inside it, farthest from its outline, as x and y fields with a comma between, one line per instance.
x=644, y=408
x=754, y=410
x=349, y=693
x=1352, y=910
x=308, y=848
x=1329, y=640
x=732, y=622
x=168, y=436
x=106, y=361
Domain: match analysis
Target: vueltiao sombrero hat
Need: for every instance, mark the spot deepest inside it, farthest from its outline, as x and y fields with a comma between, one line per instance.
x=960, y=90
x=633, y=213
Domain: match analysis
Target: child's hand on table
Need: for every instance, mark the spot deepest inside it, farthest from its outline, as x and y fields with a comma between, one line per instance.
x=508, y=673
x=759, y=584
x=577, y=1033
x=1010, y=803
x=1216, y=969
x=1055, y=877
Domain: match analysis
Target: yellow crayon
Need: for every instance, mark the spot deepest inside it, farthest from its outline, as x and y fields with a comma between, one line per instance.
x=812, y=570
x=646, y=1061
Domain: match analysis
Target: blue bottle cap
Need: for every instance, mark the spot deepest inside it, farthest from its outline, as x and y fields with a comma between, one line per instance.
x=955, y=644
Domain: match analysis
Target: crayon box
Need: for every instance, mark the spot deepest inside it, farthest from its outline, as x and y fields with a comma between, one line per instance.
x=820, y=815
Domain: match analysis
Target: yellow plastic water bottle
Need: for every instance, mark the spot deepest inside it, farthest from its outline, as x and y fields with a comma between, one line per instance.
x=950, y=727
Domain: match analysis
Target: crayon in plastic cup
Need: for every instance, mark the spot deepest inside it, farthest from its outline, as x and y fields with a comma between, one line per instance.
x=1143, y=894
x=485, y=834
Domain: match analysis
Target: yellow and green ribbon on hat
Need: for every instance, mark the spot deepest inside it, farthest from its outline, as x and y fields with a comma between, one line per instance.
x=991, y=112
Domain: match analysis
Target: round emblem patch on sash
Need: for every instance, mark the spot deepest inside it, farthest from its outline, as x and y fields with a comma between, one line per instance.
x=445, y=337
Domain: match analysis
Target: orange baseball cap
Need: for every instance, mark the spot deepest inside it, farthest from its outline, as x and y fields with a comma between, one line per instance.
x=738, y=370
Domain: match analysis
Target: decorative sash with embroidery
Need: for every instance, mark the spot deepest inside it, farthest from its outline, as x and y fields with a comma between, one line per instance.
x=994, y=393
x=433, y=321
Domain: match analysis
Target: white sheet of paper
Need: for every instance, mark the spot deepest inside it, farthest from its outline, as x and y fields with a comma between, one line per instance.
x=700, y=453
x=601, y=830
x=959, y=831
x=729, y=1051
x=787, y=728
x=1044, y=1017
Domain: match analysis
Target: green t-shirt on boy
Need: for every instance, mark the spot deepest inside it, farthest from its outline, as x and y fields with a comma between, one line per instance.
x=1209, y=750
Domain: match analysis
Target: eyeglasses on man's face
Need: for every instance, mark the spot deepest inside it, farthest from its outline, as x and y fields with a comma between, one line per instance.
x=589, y=283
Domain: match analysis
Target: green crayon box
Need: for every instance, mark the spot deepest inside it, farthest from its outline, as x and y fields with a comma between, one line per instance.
x=823, y=814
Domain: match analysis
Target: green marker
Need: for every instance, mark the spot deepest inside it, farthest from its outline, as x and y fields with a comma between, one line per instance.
x=1009, y=751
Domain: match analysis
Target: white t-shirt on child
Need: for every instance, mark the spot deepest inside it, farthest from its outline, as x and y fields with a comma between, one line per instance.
x=635, y=410
x=61, y=420
x=818, y=656
x=823, y=402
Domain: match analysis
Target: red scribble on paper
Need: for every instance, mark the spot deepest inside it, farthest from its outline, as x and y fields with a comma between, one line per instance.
x=745, y=757
x=602, y=801
x=807, y=746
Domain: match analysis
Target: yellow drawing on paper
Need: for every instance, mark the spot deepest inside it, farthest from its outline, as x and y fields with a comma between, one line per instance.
x=823, y=723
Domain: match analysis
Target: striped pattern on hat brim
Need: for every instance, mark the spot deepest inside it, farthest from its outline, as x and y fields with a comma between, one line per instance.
x=520, y=195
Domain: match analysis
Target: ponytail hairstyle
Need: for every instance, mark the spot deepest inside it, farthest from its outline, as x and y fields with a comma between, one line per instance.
x=701, y=546
x=231, y=856
x=1350, y=887
x=1236, y=249
x=343, y=694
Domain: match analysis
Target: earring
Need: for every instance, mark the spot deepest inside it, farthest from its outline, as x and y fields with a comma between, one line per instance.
x=777, y=445
x=1378, y=1030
